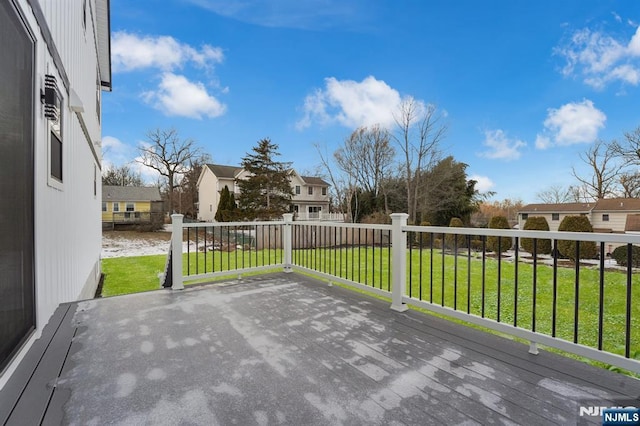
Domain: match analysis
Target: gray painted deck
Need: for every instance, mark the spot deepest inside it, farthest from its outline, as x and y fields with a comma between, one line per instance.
x=287, y=349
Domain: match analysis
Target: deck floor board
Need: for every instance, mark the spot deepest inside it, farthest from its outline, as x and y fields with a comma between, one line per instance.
x=288, y=349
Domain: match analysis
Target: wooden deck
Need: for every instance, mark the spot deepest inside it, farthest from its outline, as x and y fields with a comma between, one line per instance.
x=287, y=349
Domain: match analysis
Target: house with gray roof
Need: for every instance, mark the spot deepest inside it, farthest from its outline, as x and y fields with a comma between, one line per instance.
x=310, y=193
x=131, y=205
x=613, y=215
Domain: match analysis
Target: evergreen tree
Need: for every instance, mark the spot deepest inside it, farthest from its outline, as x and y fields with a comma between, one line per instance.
x=224, y=205
x=267, y=192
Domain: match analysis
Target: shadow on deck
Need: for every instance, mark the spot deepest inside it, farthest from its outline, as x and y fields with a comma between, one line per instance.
x=288, y=349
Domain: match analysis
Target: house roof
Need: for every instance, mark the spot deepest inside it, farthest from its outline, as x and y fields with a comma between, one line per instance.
x=313, y=180
x=222, y=171
x=130, y=193
x=633, y=223
x=558, y=208
x=608, y=204
x=619, y=204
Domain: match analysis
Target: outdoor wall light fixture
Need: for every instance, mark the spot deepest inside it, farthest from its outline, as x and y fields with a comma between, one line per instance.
x=49, y=97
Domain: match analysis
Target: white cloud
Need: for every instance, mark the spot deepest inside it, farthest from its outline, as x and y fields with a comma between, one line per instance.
x=484, y=184
x=307, y=14
x=352, y=104
x=132, y=52
x=501, y=147
x=115, y=152
x=575, y=122
x=177, y=96
x=600, y=58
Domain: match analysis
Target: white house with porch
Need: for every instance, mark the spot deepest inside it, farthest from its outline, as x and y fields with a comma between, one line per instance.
x=310, y=194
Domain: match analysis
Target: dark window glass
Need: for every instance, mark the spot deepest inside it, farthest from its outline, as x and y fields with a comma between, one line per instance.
x=555, y=216
x=17, y=305
x=56, y=157
x=605, y=218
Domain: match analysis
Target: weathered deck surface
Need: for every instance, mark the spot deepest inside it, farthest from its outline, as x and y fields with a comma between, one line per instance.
x=286, y=349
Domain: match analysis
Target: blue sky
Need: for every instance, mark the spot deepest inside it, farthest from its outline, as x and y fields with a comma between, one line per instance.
x=525, y=86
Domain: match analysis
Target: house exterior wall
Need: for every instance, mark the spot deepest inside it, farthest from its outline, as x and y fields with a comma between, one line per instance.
x=617, y=220
x=553, y=224
x=207, y=195
x=138, y=206
x=67, y=228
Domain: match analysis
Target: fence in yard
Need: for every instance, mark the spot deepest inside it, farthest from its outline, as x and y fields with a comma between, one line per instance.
x=589, y=307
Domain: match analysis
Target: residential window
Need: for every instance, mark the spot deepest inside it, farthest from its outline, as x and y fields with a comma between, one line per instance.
x=116, y=207
x=555, y=216
x=130, y=207
x=210, y=207
x=55, y=134
x=104, y=206
x=324, y=190
x=311, y=190
x=297, y=189
x=605, y=217
x=525, y=216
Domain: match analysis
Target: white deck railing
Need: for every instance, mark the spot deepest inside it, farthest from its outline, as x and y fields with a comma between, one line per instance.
x=590, y=308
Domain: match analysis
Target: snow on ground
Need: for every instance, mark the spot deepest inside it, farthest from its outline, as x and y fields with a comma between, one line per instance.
x=132, y=243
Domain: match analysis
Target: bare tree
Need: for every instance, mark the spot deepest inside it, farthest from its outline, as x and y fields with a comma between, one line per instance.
x=367, y=156
x=630, y=185
x=557, y=194
x=121, y=176
x=341, y=184
x=629, y=149
x=601, y=158
x=169, y=155
x=419, y=131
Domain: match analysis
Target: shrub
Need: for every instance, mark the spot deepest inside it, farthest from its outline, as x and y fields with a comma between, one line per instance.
x=476, y=244
x=499, y=222
x=567, y=248
x=451, y=239
x=377, y=218
x=423, y=237
x=620, y=256
x=537, y=223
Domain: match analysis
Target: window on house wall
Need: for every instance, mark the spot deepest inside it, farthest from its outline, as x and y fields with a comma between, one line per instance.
x=324, y=190
x=210, y=207
x=116, y=207
x=84, y=15
x=555, y=216
x=605, y=217
x=130, y=207
x=297, y=189
x=104, y=206
x=95, y=180
x=525, y=216
x=56, y=146
x=311, y=190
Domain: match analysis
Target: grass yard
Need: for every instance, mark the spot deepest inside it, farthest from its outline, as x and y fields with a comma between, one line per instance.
x=429, y=277
x=125, y=275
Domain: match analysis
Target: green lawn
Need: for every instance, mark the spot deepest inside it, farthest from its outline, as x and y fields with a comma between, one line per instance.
x=370, y=266
x=124, y=275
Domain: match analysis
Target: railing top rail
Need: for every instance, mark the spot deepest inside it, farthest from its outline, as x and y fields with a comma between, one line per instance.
x=551, y=235
x=343, y=225
x=224, y=224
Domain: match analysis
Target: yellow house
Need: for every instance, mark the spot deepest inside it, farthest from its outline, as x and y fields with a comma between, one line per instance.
x=131, y=205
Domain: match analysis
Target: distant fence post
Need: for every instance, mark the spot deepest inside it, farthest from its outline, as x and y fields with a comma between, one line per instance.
x=176, y=247
x=287, y=237
x=398, y=261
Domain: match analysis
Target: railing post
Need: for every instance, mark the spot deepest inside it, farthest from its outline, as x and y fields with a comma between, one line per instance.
x=176, y=247
x=398, y=261
x=287, y=240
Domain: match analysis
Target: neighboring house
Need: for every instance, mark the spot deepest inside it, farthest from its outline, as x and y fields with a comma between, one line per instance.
x=55, y=63
x=131, y=205
x=310, y=194
x=618, y=215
